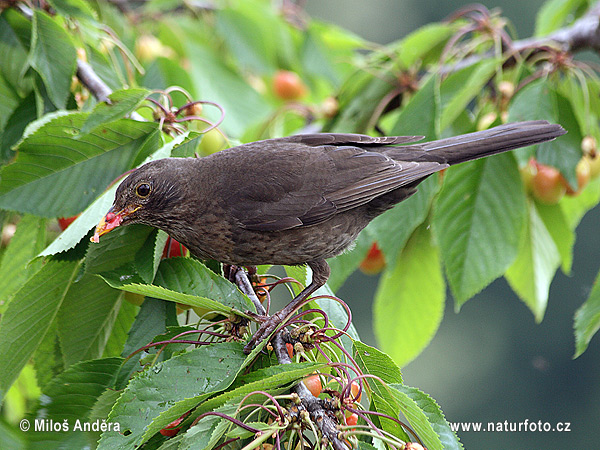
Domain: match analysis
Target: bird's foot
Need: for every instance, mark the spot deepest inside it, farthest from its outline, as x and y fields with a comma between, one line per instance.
x=269, y=325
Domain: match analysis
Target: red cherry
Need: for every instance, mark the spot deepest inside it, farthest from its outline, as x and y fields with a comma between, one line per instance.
x=313, y=383
x=172, y=429
x=64, y=222
x=288, y=85
x=173, y=249
x=374, y=262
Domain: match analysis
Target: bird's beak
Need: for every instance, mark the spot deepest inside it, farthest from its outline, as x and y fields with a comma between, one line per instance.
x=112, y=220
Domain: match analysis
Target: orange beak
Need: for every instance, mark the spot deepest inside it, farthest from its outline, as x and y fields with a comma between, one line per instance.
x=111, y=220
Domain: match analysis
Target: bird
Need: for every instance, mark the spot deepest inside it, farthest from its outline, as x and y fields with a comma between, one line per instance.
x=294, y=200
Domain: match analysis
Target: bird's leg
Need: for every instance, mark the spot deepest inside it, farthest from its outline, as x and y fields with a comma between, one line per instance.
x=320, y=274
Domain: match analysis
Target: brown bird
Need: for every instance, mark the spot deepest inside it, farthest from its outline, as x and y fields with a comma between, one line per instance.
x=294, y=200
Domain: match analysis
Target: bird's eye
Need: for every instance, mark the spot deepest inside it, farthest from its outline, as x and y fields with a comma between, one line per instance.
x=143, y=190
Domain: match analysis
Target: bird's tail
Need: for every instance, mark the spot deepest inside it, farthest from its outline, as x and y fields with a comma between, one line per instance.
x=500, y=139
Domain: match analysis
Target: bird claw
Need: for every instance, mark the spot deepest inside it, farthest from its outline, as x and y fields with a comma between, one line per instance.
x=269, y=324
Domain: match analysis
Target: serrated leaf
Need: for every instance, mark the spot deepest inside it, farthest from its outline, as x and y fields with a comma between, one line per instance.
x=94, y=306
x=190, y=276
x=50, y=158
x=532, y=271
x=206, y=433
x=478, y=219
x=92, y=215
x=177, y=297
x=587, y=319
x=53, y=56
x=269, y=379
x=117, y=249
x=373, y=361
x=425, y=418
x=409, y=302
x=29, y=315
x=26, y=243
x=575, y=208
x=72, y=394
x=122, y=102
x=201, y=371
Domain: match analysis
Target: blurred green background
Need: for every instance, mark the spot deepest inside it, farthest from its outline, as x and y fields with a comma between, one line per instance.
x=491, y=362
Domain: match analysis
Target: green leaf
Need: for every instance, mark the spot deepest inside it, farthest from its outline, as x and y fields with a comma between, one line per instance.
x=479, y=217
x=271, y=379
x=419, y=43
x=392, y=229
x=536, y=101
x=201, y=371
x=47, y=358
x=409, y=302
x=426, y=418
x=375, y=362
x=587, y=319
x=250, y=32
x=69, y=398
x=123, y=323
x=150, y=321
x=207, y=433
x=92, y=215
x=29, y=315
x=565, y=152
x=361, y=96
x=28, y=240
x=418, y=116
x=190, y=276
x=187, y=281
x=222, y=85
x=117, y=249
x=556, y=223
x=15, y=33
x=53, y=56
x=461, y=87
x=74, y=8
x=122, y=102
x=532, y=271
x=72, y=394
x=16, y=123
x=575, y=208
x=94, y=306
x=554, y=14
x=50, y=157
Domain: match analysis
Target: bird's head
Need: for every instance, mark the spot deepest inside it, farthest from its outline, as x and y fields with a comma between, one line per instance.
x=148, y=196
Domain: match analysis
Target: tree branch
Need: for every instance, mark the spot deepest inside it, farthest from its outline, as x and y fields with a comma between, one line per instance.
x=583, y=34
x=309, y=402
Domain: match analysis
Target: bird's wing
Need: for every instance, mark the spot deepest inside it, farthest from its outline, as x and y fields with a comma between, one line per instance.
x=304, y=186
